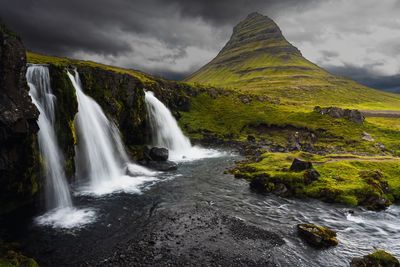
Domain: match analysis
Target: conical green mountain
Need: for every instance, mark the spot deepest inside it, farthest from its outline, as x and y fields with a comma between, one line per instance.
x=258, y=59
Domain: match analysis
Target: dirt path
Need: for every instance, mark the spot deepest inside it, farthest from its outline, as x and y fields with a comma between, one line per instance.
x=344, y=158
x=381, y=113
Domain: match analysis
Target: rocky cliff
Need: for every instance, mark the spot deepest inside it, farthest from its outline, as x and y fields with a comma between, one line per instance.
x=19, y=173
x=119, y=92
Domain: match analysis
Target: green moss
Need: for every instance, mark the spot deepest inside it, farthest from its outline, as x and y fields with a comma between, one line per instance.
x=72, y=128
x=383, y=258
x=35, y=58
x=16, y=259
x=351, y=180
x=317, y=235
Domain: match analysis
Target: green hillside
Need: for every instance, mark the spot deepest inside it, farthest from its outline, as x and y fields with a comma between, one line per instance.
x=259, y=60
x=269, y=91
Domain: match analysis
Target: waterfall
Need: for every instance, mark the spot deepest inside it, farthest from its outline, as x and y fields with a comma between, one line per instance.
x=166, y=133
x=61, y=213
x=100, y=155
x=57, y=191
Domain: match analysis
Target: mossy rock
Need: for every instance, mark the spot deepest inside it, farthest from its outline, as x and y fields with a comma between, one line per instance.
x=317, y=236
x=379, y=258
x=16, y=259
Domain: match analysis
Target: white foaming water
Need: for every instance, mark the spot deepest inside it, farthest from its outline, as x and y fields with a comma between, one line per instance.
x=101, y=157
x=58, y=198
x=67, y=218
x=166, y=133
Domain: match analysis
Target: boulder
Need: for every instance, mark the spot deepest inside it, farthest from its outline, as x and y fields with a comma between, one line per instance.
x=352, y=115
x=162, y=166
x=159, y=154
x=299, y=165
x=367, y=137
x=317, y=236
x=379, y=258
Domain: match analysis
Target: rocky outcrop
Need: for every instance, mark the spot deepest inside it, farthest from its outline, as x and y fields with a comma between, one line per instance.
x=299, y=165
x=379, y=258
x=352, y=115
x=317, y=236
x=19, y=173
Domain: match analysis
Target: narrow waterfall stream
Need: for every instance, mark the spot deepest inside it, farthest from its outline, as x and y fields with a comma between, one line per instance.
x=102, y=163
x=166, y=133
x=58, y=198
x=57, y=190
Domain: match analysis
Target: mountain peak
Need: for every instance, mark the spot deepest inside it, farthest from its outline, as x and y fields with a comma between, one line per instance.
x=257, y=57
x=261, y=31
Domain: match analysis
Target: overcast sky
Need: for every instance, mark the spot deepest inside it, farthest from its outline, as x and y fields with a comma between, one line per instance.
x=355, y=38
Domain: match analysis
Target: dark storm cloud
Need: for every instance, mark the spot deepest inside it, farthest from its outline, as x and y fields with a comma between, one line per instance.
x=363, y=76
x=230, y=11
x=175, y=37
x=100, y=25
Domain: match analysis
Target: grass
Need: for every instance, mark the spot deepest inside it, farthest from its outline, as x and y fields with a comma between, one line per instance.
x=35, y=58
x=229, y=118
x=347, y=179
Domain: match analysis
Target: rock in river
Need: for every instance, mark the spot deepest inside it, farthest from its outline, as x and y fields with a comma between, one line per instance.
x=317, y=236
x=379, y=258
x=159, y=153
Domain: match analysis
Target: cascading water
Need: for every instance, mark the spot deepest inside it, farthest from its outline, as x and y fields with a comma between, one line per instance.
x=166, y=133
x=101, y=157
x=57, y=191
x=58, y=198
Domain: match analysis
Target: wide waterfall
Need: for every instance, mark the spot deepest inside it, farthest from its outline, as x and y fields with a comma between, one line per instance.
x=166, y=133
x=58, y=198
x=101, y=159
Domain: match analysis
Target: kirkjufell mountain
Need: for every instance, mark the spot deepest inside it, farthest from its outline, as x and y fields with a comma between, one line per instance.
x=258, y=59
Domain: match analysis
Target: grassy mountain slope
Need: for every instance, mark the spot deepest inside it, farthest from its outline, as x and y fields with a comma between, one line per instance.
x=269, y=93
x=259, y=60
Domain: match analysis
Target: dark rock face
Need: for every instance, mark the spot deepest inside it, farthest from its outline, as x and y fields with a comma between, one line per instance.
x=375, y=198
x=259, y=184
x=379, y=258
x=159, y=153
x=121, y=96
x=352, y=115
x=299, y=165
x=310, y=176
x=18, y=162
x=317, y=236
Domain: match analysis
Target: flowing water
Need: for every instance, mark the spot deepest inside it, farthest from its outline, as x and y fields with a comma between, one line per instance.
x=166, y=133
x=203, y=181
x=61, y=212
x=101, y=160
x=121, y=214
